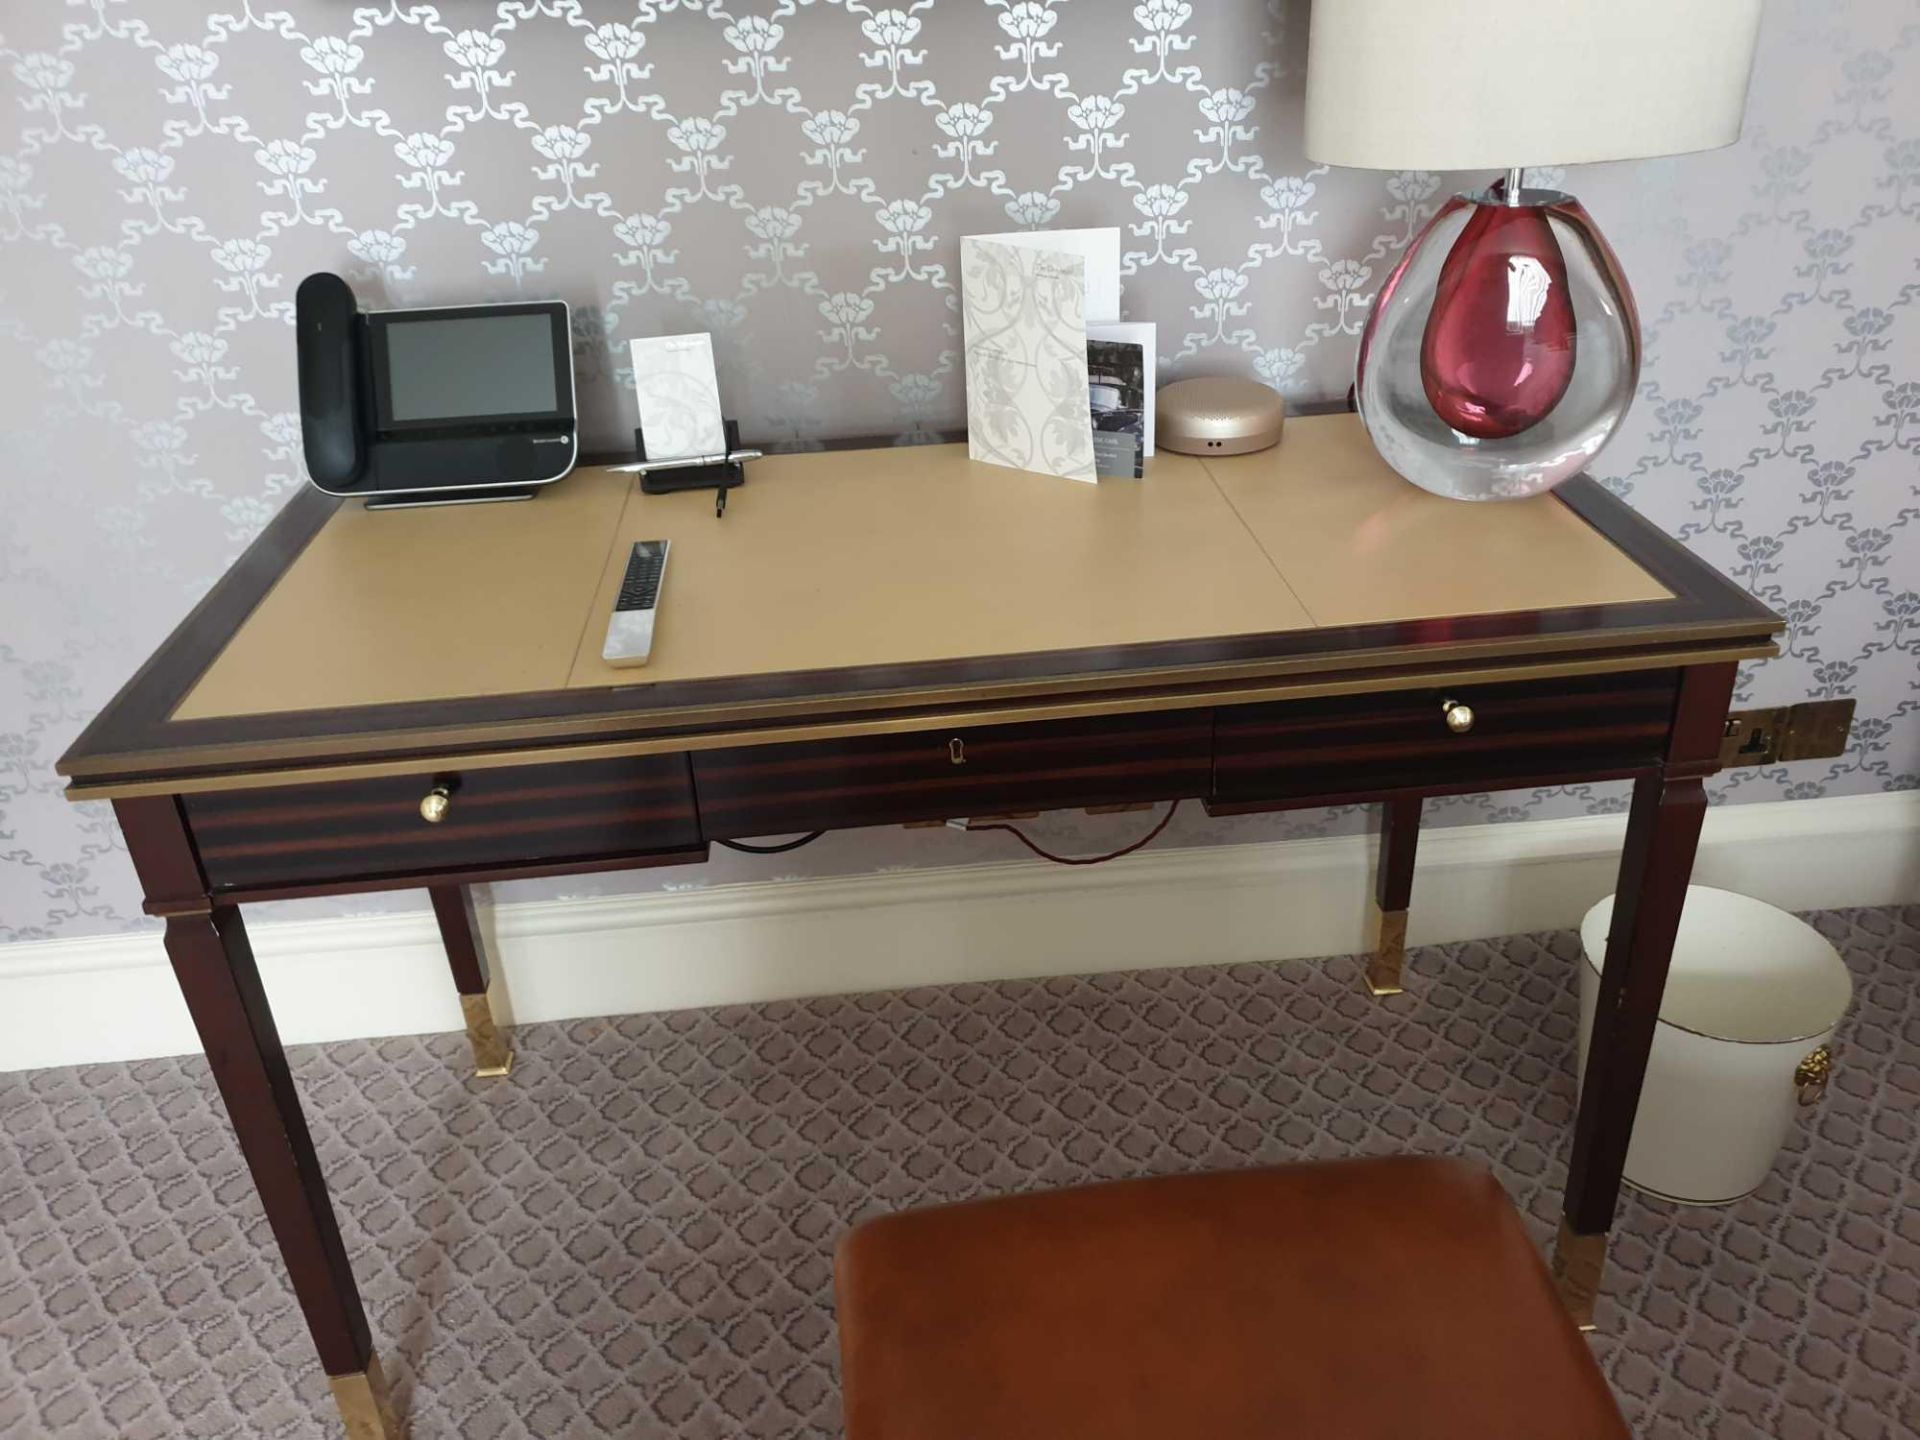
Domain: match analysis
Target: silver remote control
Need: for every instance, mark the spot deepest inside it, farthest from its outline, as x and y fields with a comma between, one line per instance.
x=630, y=631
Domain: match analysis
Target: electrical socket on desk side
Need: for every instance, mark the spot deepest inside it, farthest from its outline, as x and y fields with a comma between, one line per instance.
x=1811, y=730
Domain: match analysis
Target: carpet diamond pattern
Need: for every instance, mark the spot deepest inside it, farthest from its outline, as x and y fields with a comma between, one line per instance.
x=632, y=1236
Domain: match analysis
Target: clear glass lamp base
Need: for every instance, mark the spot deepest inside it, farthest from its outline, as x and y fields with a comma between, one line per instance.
x=1503, y=351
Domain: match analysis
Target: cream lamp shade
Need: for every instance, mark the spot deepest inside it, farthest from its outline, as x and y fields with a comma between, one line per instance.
x=1495, y=84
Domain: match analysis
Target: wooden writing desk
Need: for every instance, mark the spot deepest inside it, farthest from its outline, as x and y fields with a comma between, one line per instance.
x=890, y=635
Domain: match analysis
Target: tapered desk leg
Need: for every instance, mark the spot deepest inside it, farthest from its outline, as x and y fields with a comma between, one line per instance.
x=1392, y=888
x=460, y=933
x=1663, y=831
x=214, y=965
x=207, y=945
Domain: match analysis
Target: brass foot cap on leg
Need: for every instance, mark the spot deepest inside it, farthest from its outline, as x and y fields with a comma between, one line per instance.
x=1578, y=1263
x=366, y=1405
x=492, y=1052
x=1381, y=969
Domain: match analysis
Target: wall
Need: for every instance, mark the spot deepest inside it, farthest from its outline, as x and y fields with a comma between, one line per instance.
x=797, y=181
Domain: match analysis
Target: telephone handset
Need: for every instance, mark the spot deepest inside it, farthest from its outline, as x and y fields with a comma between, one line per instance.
x=421, y=407
x=328, y=322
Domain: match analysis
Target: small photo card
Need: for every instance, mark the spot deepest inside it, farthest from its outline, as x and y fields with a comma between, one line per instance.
x=1143, y=335
x=1117, y=390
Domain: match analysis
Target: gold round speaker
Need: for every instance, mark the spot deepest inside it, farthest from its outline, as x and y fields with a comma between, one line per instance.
x=1218, y=415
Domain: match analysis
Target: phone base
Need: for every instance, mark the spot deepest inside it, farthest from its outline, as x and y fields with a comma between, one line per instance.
x=416, y=500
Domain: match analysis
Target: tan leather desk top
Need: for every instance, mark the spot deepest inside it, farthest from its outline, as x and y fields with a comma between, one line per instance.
x=1359, y=544
x=891, y=556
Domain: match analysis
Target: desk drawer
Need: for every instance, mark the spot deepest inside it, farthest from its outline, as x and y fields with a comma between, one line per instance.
x=1358, y=746
x=372, y=829
x=937, y=774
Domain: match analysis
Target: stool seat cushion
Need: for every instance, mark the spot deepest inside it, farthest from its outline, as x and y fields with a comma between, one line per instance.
x=1395, y=1299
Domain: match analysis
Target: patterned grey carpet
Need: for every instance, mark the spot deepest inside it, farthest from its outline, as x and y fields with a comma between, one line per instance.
x=631, y=1236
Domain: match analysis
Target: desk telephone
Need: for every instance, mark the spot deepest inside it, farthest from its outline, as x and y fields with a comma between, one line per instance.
x=433, y=406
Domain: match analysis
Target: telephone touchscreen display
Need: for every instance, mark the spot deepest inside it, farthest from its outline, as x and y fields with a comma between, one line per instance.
x=457, y=368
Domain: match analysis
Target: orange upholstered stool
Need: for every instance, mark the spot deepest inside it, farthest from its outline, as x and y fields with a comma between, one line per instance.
x=1366, y=1300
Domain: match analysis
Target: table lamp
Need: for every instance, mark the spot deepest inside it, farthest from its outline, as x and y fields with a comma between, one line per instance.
x=1502, y=352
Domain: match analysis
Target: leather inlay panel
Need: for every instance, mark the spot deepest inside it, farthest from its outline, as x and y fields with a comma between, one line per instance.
x=886, y=557
x=1359, y=545
x=437, y=603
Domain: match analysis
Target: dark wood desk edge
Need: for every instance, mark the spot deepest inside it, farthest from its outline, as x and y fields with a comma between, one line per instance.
x=178, y=774
x=1660, y=555
x=132, y=740
x=583, y=713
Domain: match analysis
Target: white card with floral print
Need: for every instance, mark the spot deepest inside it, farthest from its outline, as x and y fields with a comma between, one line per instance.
x=1025, y=322
x=1100, y=248
x=679, y=394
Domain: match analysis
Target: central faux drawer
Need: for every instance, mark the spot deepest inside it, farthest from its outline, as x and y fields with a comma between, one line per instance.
x=941, y=774
x=524, y=815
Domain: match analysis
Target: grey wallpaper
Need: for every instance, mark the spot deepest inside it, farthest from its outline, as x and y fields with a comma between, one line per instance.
x=795, y=177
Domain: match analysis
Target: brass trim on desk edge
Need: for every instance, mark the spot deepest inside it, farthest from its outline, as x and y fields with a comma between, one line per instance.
x=189, y=783
x=584, y=726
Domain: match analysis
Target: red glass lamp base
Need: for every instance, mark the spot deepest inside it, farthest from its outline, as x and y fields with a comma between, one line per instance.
x=1498, y=350
x=1475, y=379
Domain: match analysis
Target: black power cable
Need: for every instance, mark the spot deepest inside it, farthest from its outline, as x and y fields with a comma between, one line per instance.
x=779, y=849
x=1015, y=831
x=1144, y=840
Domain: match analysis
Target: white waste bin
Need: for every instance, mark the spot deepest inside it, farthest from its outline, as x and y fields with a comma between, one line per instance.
x=1752, y=999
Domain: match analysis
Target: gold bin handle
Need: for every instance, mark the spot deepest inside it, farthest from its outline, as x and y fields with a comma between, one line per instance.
x=435, y=804
x=1811, y=1075
x=1458, y=715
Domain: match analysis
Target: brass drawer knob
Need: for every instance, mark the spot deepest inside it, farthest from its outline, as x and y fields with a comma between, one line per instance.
x=435, y=804
x=1459, y=716
x=957, y=751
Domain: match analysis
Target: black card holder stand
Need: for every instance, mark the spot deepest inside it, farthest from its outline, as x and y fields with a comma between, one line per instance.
x=719, y=476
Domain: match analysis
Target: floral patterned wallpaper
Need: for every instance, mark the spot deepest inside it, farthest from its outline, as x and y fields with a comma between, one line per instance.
x=794, y=175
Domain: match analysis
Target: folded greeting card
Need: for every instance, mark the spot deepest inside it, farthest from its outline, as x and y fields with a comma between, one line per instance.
x=1025, y=321
x=1100, y=248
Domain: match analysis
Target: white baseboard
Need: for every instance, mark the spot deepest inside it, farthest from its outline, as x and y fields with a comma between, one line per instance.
x=65, y=1002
